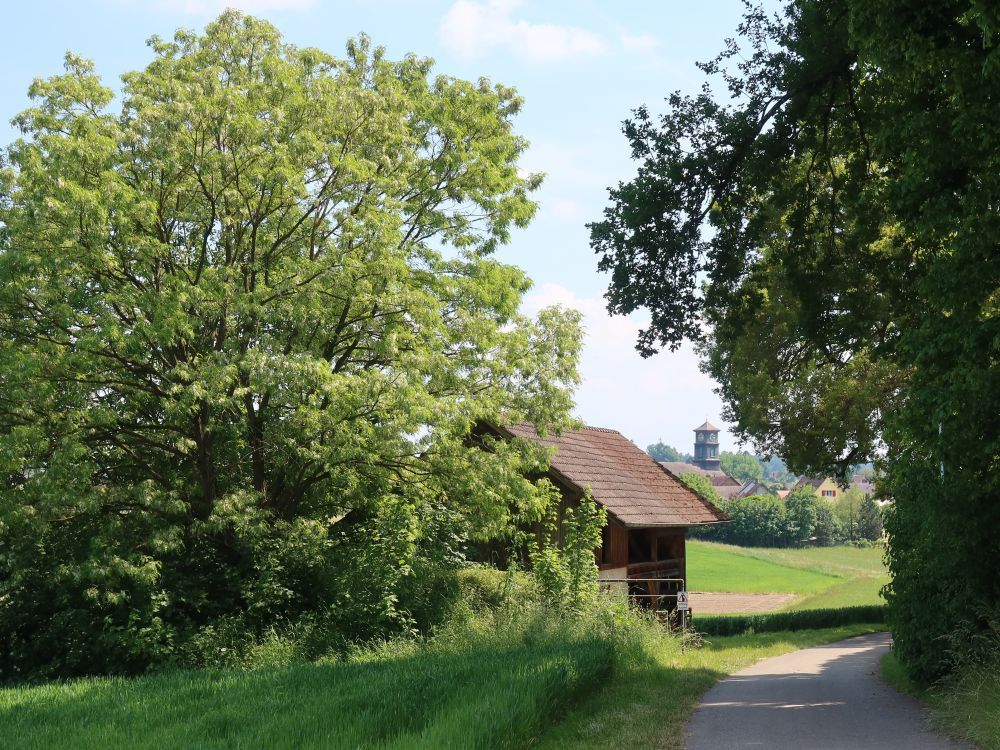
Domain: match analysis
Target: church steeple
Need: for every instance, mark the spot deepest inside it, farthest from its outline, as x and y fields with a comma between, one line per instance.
x=706, y=446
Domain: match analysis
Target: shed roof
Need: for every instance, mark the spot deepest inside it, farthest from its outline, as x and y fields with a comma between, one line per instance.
x=622, y=477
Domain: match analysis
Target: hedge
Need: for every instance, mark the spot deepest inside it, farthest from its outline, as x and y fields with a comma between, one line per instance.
x=795, y=620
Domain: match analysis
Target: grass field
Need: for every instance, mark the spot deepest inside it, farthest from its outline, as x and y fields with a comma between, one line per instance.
x=821, y=577
x=546, y=691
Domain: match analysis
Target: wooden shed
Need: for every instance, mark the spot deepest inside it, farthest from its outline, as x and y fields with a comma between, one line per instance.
x=649, y=509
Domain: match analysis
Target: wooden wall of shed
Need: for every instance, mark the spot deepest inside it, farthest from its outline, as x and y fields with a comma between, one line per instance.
x=614, y=546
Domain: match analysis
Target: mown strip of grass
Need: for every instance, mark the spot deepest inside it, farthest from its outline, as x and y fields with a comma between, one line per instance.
x=967, y=706
x=649, y=705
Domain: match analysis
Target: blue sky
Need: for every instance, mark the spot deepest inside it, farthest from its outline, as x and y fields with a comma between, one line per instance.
x=581, y=66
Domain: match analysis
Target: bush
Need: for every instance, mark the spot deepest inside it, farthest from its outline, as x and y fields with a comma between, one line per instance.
x=757, y=521
x=829, y=530
x=795, y=620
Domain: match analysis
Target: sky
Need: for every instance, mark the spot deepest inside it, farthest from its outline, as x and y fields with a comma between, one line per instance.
x=581, y=65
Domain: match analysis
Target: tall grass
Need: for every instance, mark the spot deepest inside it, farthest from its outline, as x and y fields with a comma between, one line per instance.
x=495, y=676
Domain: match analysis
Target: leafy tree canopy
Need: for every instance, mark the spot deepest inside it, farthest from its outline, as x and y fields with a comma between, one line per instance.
x=660, y=451
x=701, y=485
x=829, y=234
x=249, y=316
x=742, y=466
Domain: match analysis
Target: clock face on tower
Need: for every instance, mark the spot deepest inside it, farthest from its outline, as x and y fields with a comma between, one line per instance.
x=701, y=437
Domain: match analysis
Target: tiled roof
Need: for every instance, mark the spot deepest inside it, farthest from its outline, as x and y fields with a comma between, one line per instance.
x=707, y=426
x=718, y=477
x=623, y=478
x=807, y=482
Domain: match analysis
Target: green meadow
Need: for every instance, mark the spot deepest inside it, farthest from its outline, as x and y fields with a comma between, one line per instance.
x=820, y=577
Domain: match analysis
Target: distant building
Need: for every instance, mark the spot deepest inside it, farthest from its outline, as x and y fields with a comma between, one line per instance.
x=863, y=483
x=826, y=487
x=648, y=510
x=753, y=487
x=706, y=462
x=831, y=490
x=706, y=447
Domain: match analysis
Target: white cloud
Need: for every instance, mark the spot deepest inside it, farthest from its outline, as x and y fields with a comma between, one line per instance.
x=473, y=28
x=665, y=396
x=638, y=42
x=211, y=7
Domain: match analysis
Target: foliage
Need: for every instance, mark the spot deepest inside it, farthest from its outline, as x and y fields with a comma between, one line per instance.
x=794, y=620
x=869, y=520
x=828, y=529
x=702, y=485
x=248, y=321
x=567, y=571
x=847, y=505
x=800, y=508
x=741, y=465
x=757, y=521
x=834, y=223
x=777, y=472
x=660, y=451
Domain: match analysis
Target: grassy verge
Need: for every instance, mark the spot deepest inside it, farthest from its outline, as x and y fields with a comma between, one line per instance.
x=967, y=706
x=648, y=706
x=822, y=577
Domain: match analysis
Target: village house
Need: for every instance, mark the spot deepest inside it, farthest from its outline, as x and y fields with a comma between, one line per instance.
x=829, y=488
x=649, y=509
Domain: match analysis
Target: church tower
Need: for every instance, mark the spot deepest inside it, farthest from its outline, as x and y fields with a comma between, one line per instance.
x=706, y=447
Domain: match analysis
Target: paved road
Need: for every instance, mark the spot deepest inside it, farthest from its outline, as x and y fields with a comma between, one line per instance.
x=824, y=698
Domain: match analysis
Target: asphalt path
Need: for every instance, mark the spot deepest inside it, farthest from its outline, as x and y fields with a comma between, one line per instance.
x=823, y=698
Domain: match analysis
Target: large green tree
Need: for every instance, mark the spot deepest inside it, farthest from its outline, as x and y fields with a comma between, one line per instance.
x=660, y=451
x=248, y=316
x=741, y=465
x=831, y=237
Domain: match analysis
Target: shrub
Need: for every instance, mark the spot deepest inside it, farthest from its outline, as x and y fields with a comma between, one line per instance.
x=828, y=527
x=757, y=521
x=795, y=620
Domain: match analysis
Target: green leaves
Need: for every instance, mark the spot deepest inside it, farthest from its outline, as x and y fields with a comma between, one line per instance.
x=829, y=235
x=248, y=323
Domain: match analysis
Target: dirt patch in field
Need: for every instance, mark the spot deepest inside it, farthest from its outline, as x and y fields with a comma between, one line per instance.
x=710, y=603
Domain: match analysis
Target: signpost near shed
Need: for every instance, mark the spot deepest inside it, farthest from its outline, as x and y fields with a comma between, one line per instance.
x=683, y=606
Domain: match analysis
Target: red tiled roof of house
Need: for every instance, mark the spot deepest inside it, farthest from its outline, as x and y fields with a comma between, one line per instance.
x=718, y=477
x=623, y=478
